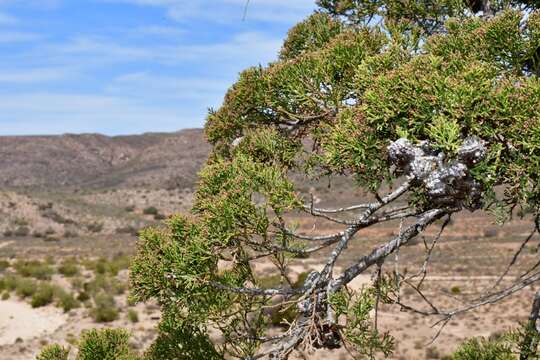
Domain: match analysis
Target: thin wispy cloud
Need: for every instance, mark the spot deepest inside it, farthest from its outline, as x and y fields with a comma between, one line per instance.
x=130, y=66
x=33, y=76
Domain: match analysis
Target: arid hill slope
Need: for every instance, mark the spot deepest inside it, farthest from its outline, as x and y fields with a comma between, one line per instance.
x=93, y=160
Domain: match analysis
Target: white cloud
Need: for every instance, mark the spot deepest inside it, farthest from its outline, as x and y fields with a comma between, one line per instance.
x=277, y=11
x=152, y=86
x=165, y=31
x=28, y=76
x=45, y=113
x=243, y=49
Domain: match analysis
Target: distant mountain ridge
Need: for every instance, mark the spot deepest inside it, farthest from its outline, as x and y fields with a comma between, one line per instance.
x=95, y=160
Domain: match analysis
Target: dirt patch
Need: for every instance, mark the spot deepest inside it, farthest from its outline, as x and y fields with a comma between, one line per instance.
x=19, y=321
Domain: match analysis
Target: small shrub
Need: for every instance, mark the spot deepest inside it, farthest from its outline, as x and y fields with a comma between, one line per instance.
x=127, y=230
x=481, y=349
x=83, y=296
x=4, y=264
x=44, y=295
x=67, y=301
x=8, y=233
x=133, y=316
x=34, y=268
x=432, y=353
x=56, y=217
x=159, y=217
x=37, y=234
x=51, y=238
x=50, y=260
x=106, y=344
x=130, y=208
x=49, y=232
x=43, y=207
x=489, y=233
x=77, y=283
x=119, y=262
x=25, y=287
x=21, y=222
x=70, y=234
x=5, y=295
x=95, y=227
x=53, y=352
x=68, y=268
x=105, y=308
x=101, y=266
x=22, y=231
x=151, y=210
x=456, y=290
x=9, y=282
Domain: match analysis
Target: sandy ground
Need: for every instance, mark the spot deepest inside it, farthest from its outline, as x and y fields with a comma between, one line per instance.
x=19, y=322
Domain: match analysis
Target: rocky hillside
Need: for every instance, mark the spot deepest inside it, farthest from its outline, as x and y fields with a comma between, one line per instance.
x=95, y=161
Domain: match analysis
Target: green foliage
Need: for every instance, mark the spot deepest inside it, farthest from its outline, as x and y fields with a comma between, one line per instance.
x=482, y=349
x=133, y=316
x=108, y=284
x=43, y=296
x=66, y=300
x=25, y=287
x=151, y=210
x=180, y=340
x=95, y=227
x=53, y=352
x=310, y=35
x=349, y=79
x=104, y=266
x=359, y=330
x=69, y=267
x=4, y=264
x=106, y=344
x=33, y=268
x=105, y=309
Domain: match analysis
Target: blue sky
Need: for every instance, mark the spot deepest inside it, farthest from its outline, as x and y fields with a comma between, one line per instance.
x=129, y=66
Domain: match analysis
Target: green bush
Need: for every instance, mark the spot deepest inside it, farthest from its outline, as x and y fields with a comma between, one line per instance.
x=105, y=283
x=43, y=296
x=53, y=352
x=160, y=217
x=83, y=296
x=34, y=268
x=77, y=283
x=151, y=210
x=106, y=344
x=22, y=231
x=112, y=267
x=68, y=268
x=4, y=264
x=95, y=227
x=9, y=282
x=482, y=349
x=5, y=295
x=66, y=300
x=25, y=287
x=456, y=290
x=133, y=316
x=104, y=308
